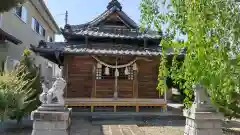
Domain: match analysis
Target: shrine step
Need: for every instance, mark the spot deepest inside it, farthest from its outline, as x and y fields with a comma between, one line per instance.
x=127, y=116
x=119, y=115
x=137, y=118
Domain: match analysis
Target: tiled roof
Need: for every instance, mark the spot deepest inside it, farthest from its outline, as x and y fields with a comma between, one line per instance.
x=139, y=52
x=103, y=16
x=114, y=3
x=92, y=28
x=49, y=49
x=82, y=49
x=127, y=35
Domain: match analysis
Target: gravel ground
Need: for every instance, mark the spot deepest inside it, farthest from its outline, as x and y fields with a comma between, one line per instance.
x=85, y=126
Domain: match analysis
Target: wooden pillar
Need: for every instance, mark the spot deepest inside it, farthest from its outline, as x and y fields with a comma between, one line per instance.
x=65, y=74
x=137, y=108
x=135, y=84
x=93, y=94
x=115, y=108
x=116, y=81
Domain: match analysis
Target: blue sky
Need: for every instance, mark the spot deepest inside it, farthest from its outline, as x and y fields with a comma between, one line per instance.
x=82, y=11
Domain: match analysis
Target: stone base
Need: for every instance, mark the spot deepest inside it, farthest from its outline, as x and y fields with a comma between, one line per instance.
x=52, y=132
x=203, y=127
x=51, y=122
x=208, y=115
x=52, y=107
x=203, y=123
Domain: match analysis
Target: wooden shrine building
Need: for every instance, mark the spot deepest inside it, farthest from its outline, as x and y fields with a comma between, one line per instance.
x=107, y=62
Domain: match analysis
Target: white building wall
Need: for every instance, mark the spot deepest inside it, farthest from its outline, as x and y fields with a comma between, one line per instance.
x=22, y=29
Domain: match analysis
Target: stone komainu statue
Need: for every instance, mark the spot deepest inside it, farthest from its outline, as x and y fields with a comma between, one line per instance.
x=56, y=91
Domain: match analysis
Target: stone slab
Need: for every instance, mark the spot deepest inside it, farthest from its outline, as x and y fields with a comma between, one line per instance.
x=51, y=132
x=52, y=108
x=52, y=105
x=51, y=125
x=51, y=122
x=51, y=115
x=203, y=115
x=203, y=126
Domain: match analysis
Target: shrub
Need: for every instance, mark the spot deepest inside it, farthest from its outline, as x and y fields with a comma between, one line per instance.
x=30, y=72
x=14, y=92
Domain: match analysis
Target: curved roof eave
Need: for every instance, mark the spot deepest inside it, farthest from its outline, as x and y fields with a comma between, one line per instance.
x=104, y=15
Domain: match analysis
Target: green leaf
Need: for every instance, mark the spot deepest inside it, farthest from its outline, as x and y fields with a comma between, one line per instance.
x=207, y=24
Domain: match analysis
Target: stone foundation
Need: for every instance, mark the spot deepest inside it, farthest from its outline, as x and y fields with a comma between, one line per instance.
x=203, y=126
x=51, y=122
x=202, y=118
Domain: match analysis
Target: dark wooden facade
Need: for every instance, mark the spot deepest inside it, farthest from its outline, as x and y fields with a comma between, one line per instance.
x=108, y=61
x=80, y=71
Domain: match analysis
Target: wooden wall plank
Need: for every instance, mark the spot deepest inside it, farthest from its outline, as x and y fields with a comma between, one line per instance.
x=80, y=76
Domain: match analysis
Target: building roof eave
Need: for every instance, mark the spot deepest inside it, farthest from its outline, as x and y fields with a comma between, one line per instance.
x=46, y=53
x=103, y=34
x=105, y=15
x=81, y=49
x=10, y=37
x=56, y=28
x=49, y=51
x=50, y=16
x=112, y=52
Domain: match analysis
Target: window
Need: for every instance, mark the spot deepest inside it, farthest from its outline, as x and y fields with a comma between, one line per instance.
x=21, y=12
x=38, y=28
x=42, y=31
x=18, y=11
x=100, y=73
x=33, y=23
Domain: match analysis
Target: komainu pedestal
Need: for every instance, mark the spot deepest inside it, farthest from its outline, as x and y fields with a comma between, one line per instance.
x=202, y=118
x=52, y=118
x=51, y=122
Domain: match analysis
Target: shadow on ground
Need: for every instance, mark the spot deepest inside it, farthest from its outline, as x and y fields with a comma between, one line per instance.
x=11, y=127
